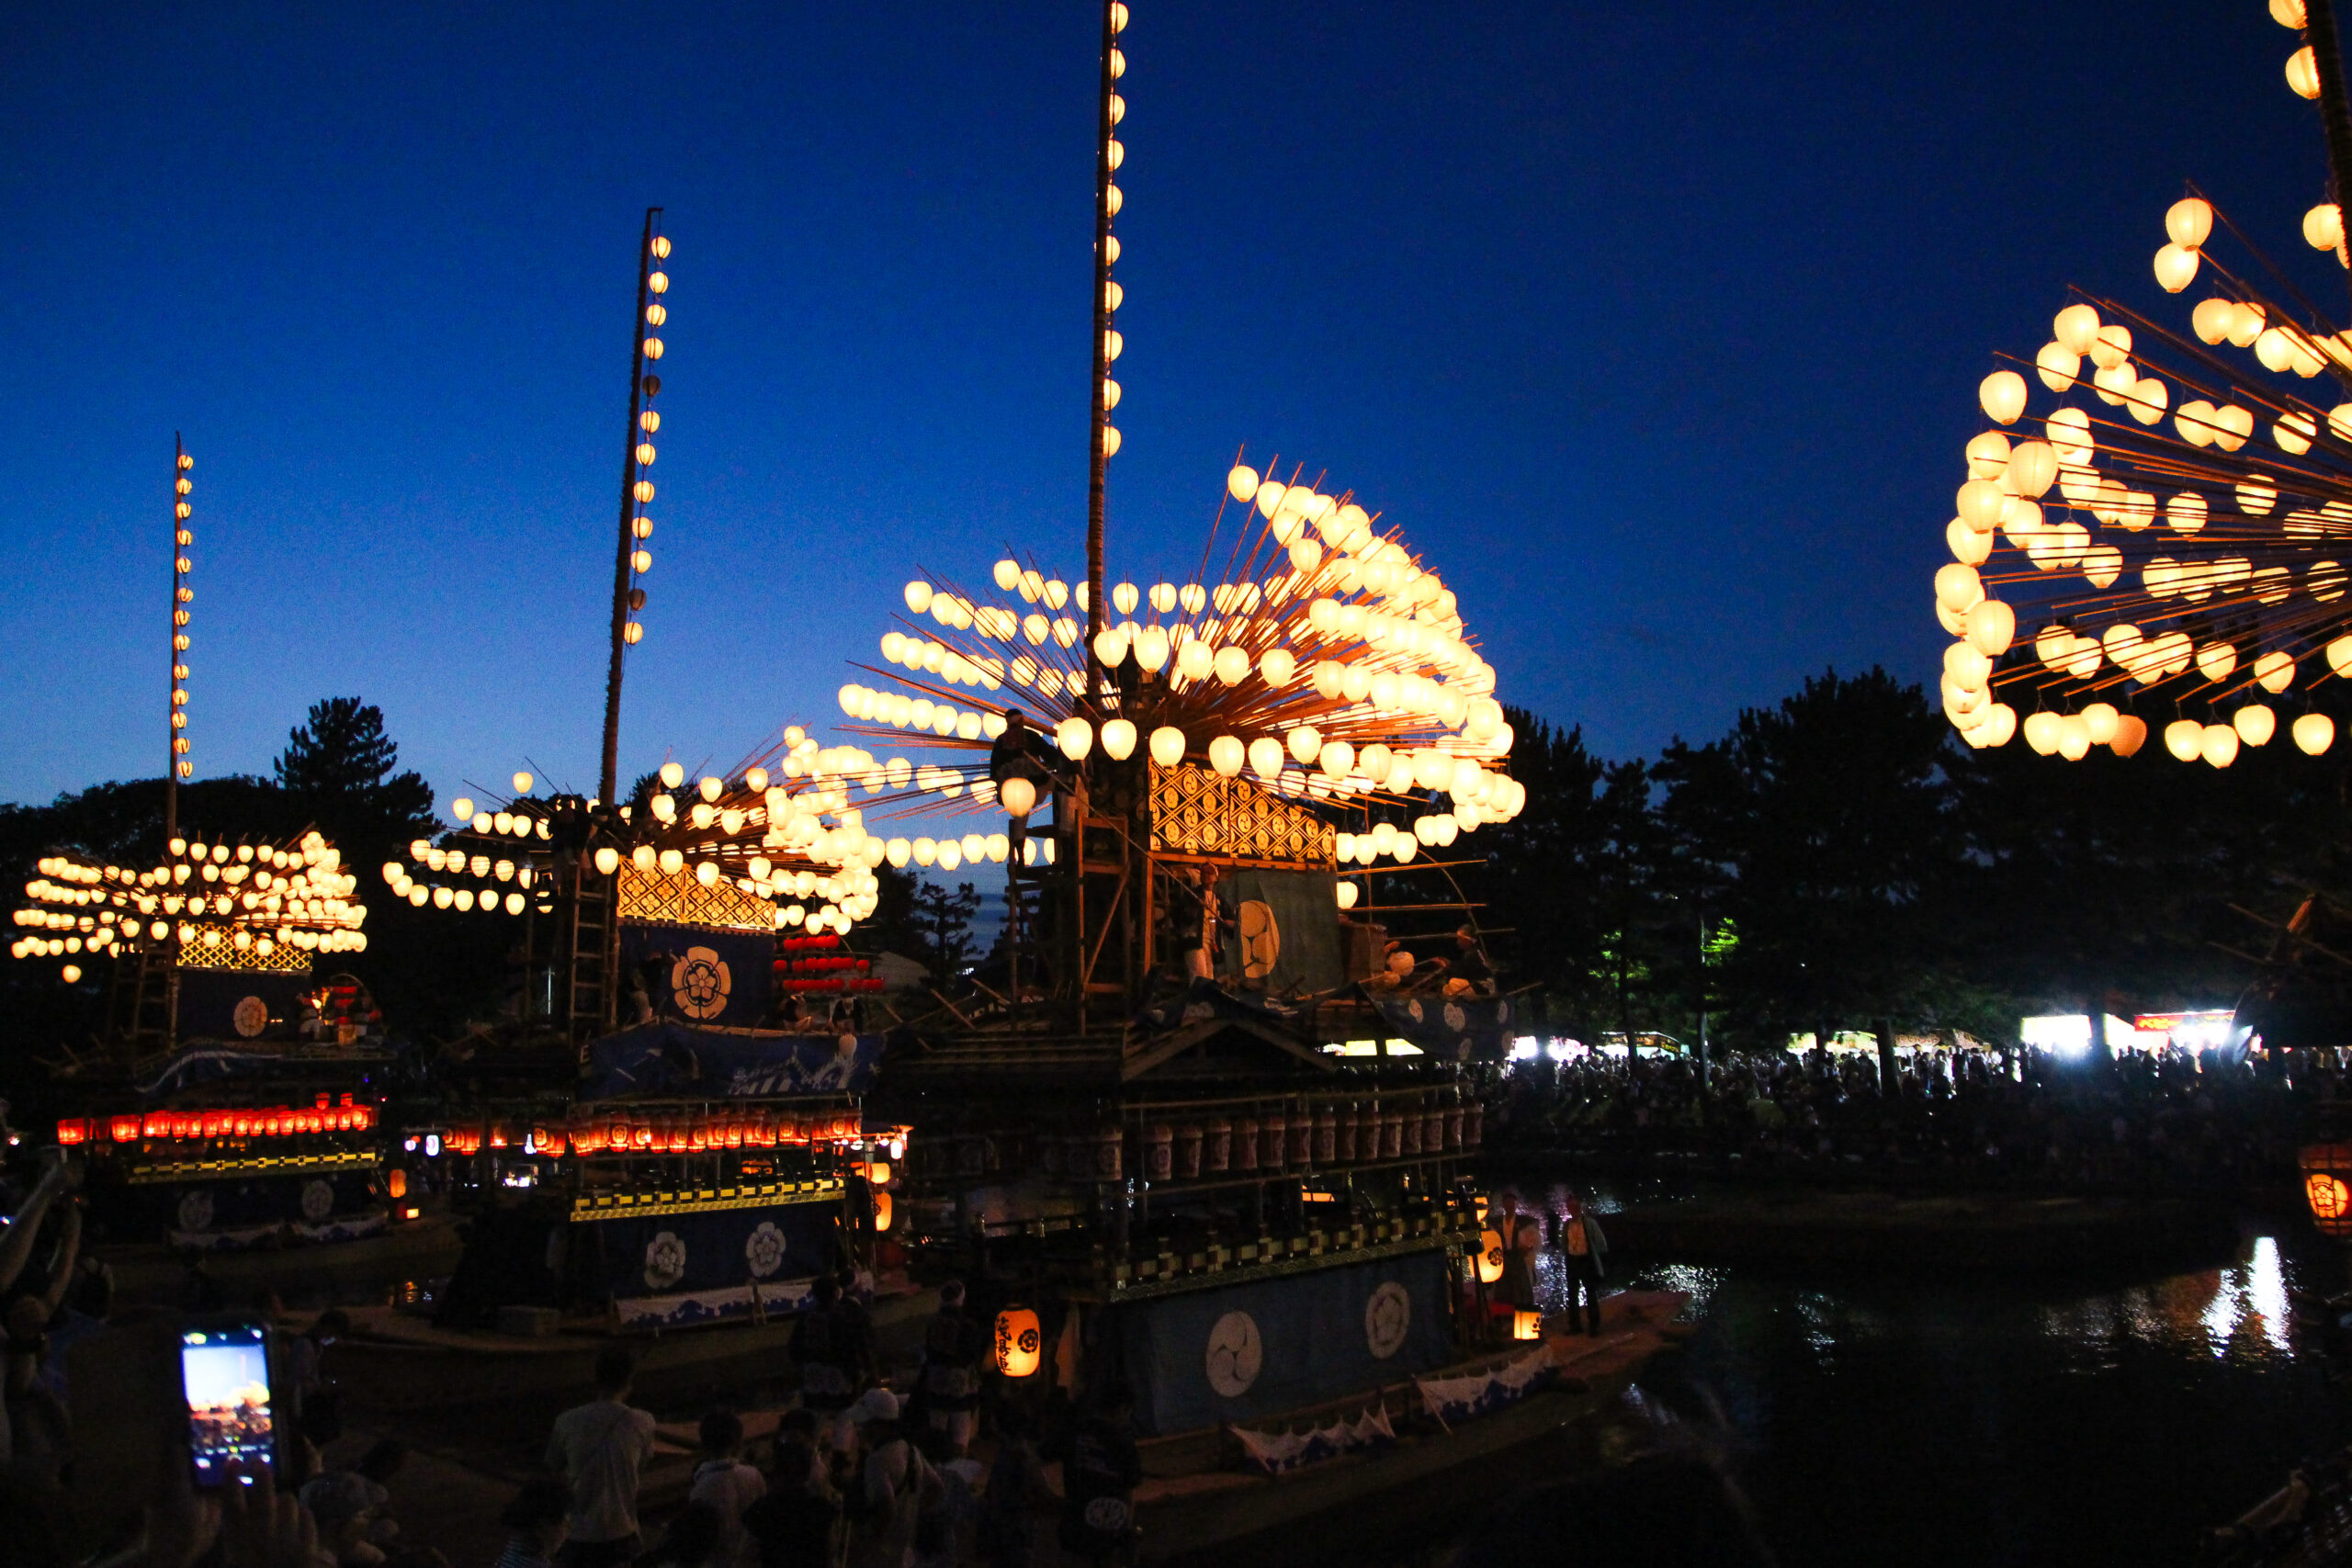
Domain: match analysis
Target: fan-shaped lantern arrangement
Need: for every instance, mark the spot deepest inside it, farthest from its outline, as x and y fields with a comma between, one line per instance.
x=2158, y=516
x=1327, y=660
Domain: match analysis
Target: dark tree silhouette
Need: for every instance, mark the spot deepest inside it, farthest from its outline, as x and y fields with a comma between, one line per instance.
x=943, y=921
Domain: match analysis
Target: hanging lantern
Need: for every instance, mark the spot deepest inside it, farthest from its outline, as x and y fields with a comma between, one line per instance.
x=881, y=1212
x=396, y=1182
x=1527, y=1326
x=1020, y=1342
x=1490, y=1254
x=2327, y=1186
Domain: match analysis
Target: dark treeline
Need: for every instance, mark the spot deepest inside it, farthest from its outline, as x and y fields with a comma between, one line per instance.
x=1843, y=861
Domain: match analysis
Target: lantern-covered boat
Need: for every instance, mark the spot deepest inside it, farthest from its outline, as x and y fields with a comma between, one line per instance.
x=231, y=1099
x=652, y=1138
x=1204, y=1134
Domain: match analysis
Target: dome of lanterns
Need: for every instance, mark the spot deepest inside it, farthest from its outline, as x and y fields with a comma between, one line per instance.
x=1330, y=663
x=781, y=830
x=2160, y=512
x=208, y=897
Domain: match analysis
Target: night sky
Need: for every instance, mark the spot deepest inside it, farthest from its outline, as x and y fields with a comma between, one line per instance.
x=1656, y=328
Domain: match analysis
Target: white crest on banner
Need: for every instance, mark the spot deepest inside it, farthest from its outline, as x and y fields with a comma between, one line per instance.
x=1235, y=1355
x=665, y=1260
x=1386, y=1317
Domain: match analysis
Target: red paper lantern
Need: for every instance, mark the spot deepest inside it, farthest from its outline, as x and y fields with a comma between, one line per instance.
x=74, y=1132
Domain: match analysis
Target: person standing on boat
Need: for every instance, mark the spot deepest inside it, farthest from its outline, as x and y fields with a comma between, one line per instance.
x=1522, y=1238
x=599, y=1448
x=1584, y=1251
x=1099, y=1479
x=952, y=1346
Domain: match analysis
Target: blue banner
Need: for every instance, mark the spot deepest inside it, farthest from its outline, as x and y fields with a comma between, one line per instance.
x=717, y=1256
x=241, y=1004
x=1264, y=1347
x=1456, y=1029
x=258, y=1210
x=672, y=1059
x=699, y=976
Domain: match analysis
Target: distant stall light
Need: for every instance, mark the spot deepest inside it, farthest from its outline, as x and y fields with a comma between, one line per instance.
x=2068, y=1033
x=1524, y=1048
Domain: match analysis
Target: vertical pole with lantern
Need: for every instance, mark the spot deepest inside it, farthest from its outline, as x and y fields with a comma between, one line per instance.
x=1103, y=441
x=2321, y=37
x=636, y=490
x=177, y=765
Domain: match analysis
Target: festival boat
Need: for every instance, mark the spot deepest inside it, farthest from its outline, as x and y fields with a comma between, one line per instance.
x=652, y=1140
x=1207, y=1134
x=231, y=1100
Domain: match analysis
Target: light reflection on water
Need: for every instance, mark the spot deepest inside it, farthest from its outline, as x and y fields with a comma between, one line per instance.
x=1995, y=1418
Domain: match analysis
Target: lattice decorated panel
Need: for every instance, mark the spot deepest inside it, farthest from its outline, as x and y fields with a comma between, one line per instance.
x=215, y=948
x=1199, y=811
x=681, y=900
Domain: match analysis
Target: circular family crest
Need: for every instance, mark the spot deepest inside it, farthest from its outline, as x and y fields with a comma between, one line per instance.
x=765, y=1250
x=318, y=1199
x=1386, y=1317
x=1455, y=1018
x=1261, y=939
x=195, y=1210
x=1234, y=1354
x=699, y=982
x=665, y=1260
x=249, y=1016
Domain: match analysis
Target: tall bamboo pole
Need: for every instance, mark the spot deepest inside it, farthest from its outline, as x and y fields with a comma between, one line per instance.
x=2335, y=113
x=1095, y=459
x=172, y=706
x=608, y=776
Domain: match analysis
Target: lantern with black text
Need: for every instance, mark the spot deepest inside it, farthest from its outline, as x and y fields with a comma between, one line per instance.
x=1527, y=1326
x=1490, y=1256
x=2327, y=1186
x=1020, y=1342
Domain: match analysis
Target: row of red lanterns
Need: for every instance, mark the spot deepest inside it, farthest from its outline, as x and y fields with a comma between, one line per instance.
x=824, y=941
x=689, y=1132
x=277, y=1122
x=821, y=965
x=838, y=983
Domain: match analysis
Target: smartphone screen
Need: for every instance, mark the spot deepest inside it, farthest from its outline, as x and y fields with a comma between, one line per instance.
x=225, y=1372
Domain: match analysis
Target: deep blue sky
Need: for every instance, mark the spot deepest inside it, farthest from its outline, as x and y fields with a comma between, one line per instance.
x=1657, y=327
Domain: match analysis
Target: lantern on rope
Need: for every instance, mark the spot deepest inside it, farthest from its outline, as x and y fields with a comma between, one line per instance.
x=1490, y=1254
x=1020, y=1342
x=2327, y=1186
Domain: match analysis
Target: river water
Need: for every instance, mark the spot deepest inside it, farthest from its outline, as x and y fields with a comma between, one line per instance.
x=1989, y=1420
